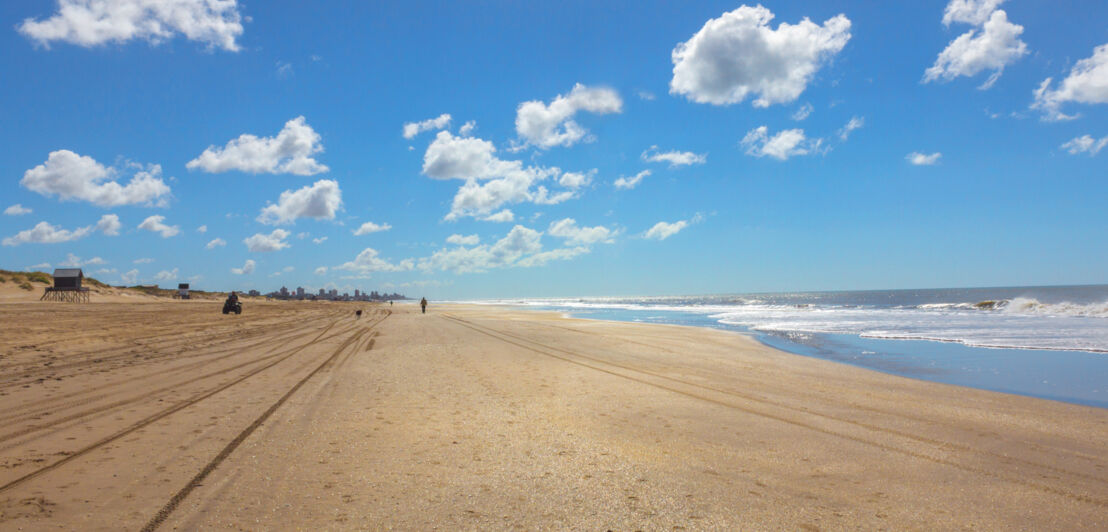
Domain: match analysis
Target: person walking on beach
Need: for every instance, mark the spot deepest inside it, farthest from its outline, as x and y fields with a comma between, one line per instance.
x=423, y=305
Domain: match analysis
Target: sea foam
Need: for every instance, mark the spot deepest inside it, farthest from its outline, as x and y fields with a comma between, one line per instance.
x=1005, y=321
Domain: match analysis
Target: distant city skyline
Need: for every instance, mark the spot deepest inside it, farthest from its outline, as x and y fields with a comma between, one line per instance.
x=333, y=294
x=530, y=150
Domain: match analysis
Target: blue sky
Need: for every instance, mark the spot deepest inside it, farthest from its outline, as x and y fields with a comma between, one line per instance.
x=280, y=129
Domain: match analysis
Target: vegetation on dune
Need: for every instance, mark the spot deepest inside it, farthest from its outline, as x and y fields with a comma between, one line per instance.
x=24, y=280
x=156, y=291
x=93, y=282
x=153, y=290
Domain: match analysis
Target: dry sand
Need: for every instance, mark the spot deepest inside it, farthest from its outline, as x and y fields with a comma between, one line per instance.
x=299, y=416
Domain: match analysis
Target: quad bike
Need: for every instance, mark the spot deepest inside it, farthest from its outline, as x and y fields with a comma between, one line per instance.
x=232, y=306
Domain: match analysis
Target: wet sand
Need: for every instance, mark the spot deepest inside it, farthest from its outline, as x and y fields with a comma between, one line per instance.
x=299, y=416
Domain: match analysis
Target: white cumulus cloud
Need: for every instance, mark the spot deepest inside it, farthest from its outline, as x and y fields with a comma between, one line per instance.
x=552, y=125
x=628, y=183
x=991, y=45
x=260, y=242
x=491, y=182
x=369, y=261
x=320, y=201
x=674, y=158
x=130, y=277
x=17, y=210
x=664, y=230
x=739, y=54
x=543, y=257
x=574, y=180
x=73, y=261
x=45, y=233
x=921, y=159
x=521, y=247
x=246, y=269
x=411, y=129
x=480, y=200
x=542, y=196
x=75, y=177
x=216, y=23
x=290, y=152
x=154, y=224
x=503, y=216
x=109, y=225
x=568, y=229
x=463, y=240
x=785, y=144
x=1085, y=144
x=166, y=275
x=215, y=243
x=975, y=12
x=450, y=157
x=370, y=227
x=1086, y=83
x=202, y=229
x=519, y=242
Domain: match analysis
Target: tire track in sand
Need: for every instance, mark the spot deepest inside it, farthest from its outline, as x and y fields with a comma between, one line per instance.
x=676, y=386
x=26, y=372
x=156, y=417
x=83, y=398
x=56, y=425
x=196, y=481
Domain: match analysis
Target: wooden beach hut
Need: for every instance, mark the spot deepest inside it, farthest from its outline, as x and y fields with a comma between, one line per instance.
x=182, y=291
x=67, y=287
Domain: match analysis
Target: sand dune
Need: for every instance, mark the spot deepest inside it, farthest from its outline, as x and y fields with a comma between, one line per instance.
x=299, y=416
x=27, y=287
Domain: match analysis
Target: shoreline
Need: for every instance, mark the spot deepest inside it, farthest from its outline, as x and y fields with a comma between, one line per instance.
x=927, y=360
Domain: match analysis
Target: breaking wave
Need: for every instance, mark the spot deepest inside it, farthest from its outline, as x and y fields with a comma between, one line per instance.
x=1016, y=322
x=1026, y=305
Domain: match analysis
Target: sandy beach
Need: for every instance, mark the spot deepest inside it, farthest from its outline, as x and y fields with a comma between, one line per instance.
x=298, y=415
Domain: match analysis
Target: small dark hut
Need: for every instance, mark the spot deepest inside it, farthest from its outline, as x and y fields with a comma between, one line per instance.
x=67, y=287
x=183, y=290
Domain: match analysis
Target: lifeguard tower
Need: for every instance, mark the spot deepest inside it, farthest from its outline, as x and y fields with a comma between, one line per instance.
x=67, y=287
x=183, y=291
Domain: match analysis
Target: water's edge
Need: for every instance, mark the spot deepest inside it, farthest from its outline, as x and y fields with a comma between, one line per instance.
x=1074, y=377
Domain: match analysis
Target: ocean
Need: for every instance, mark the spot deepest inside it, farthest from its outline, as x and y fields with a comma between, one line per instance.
x=1049, y=342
